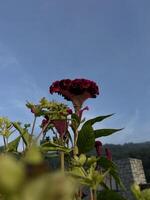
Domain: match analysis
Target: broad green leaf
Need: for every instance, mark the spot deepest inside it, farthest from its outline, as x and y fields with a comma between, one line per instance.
x=96, y=119
x=104, y=132
x=23, y=132
x=50, y=146
x=86, y=139
x=13, y=145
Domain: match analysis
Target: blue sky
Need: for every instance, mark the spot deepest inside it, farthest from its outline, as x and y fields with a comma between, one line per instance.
x=107, y=41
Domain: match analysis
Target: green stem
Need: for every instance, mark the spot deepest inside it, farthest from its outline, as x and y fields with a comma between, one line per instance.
x=4, y=140
x=95, y=194
x=43, y=129
x=33, y=126
x=32, y=131
x=77, y=110
x=91, y=194
x=62, y=161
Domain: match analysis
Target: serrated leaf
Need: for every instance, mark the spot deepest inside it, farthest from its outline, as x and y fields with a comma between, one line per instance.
x=13, y=145
x=86, y=139
x=104, y=132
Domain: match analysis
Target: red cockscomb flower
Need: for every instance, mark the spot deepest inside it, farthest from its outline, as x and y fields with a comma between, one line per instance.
x=77, y=90
x=98, y=146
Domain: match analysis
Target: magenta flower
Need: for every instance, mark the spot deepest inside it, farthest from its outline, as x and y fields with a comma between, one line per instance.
x=98, y=146
x=82, y=110
x=77, y=90
x=44, y=123
x=108, y=154
x=61, y=126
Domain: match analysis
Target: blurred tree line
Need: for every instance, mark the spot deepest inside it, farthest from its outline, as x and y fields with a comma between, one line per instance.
x=133, y=150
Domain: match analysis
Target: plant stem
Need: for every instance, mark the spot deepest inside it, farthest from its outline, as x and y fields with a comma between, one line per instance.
x=4, y=140
x=62, y=161
x=91, y=194
x=32, y=131
x=33, y=126
x=95, y=194
x=77, y=110
x=43, y=129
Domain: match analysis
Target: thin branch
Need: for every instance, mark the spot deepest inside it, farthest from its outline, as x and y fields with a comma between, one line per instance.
x=33, y=126
x=43, y=129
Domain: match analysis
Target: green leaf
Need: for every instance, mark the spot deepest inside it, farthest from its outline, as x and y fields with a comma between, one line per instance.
x=104, y=132
x=23, y=132
x=13, y=145
x=78, y=171
x=109, y=194
x=50, y=146
x=96, y=119
x=86, y=139
x=107, y=164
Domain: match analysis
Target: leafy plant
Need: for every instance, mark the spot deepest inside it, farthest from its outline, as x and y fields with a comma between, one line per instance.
x=64, y=132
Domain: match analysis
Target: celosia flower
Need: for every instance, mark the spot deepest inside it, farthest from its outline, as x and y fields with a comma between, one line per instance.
x=77, y=90
x=69, y=111
x=60, y=123
x=98, y=146
x=108, y=154
x=44, y=122
x=61, y=126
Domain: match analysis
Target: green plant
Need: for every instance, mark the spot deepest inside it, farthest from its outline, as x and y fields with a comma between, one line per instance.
x=65, y=133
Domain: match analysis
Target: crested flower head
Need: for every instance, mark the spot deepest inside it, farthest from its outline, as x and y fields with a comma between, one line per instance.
x=98, y=146
x=77, y=90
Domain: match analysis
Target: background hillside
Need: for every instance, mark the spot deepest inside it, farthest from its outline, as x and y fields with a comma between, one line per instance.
x=133, y=150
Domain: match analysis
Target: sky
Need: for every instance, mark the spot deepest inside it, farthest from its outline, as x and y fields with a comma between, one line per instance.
x=107, y=41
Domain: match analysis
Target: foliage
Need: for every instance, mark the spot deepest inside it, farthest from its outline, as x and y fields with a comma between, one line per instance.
x=109, y=194
x=140, y=195
x=134, y=150
x=63, y=132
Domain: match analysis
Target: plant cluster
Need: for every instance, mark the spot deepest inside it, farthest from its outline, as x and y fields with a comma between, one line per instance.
x=65, y=134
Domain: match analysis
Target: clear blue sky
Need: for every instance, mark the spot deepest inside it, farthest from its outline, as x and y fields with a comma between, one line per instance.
x=107, y=41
